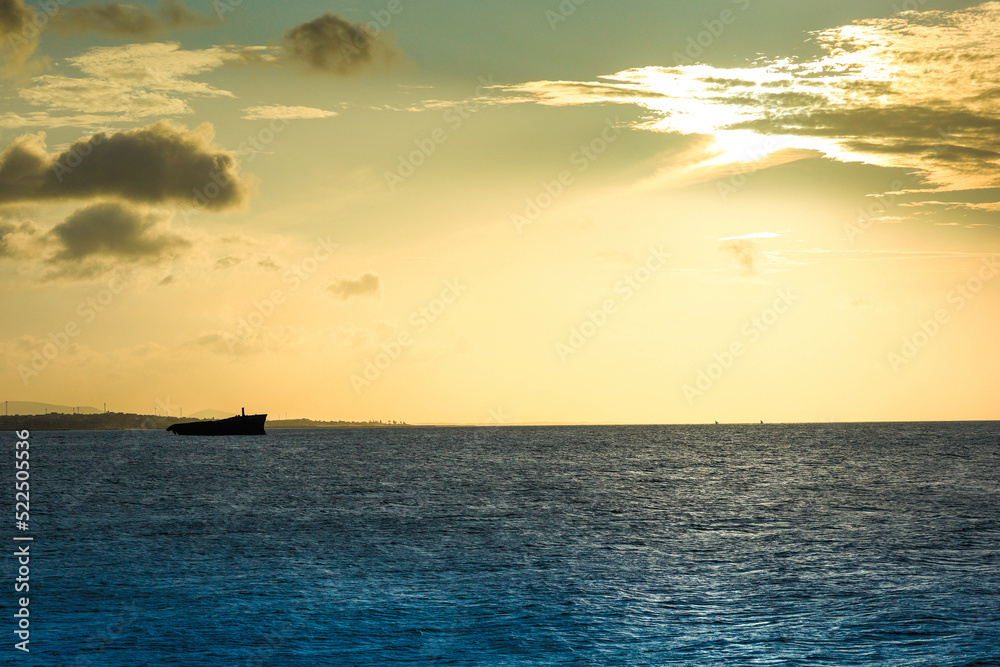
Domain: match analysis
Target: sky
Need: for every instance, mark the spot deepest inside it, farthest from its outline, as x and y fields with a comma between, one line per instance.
x=503, y=212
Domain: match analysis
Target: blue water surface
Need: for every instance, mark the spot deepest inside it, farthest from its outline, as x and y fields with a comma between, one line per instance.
x=848, y=544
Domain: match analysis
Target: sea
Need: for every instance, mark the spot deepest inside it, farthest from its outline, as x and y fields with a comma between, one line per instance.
x=755, y=544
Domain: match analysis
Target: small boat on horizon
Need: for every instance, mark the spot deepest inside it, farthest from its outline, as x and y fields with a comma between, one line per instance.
x=242, y=424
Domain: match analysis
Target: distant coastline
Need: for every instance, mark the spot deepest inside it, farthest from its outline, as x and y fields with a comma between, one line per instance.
x=119, y=421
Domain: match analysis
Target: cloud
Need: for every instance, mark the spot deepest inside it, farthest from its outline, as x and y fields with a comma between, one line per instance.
x=20, y=239
x=21, y=25
x=132, y=82
x=368, y=284
x=262, y=261
x=113, y=230
x=11, y=120
x=159, y=163
x=569, y=93
x=268, y=262
x=917, y=91
x=139, y=81
x=744, y=253
x=128, y=83
x=260, y=339
x=985, y=206
x=278, y=112
x=114, y=101
x=332, y=44
x=14, y=16
x=860, y=303
x=617, y=258
x=94, y=240
x=228, y=262
x=754, y=235
x=18, y=34
x=20, y=350
x=160, y=65
x=118, y=20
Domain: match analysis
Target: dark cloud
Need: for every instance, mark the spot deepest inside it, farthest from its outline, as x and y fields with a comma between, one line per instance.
x=112, y=230
x=21, y=25
x=744, y=253
x=904, y=121
x=727, y=83
x=262, y=261
x=267, y=262
x=118, y=20
x=943, y=151
x=368, y=284
x=18, y=33
x=952, y=147
x=334, y=45
x=93, y=241
x=778, y=100
x=159, y=163
x=228, y=262
x=14, y=16
x=896, y=147
x=956, y=153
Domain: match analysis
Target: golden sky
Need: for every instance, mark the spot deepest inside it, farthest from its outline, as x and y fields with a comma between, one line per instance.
x=642, y=212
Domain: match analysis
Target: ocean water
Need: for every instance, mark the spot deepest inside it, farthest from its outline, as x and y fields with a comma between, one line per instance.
x=849, y=544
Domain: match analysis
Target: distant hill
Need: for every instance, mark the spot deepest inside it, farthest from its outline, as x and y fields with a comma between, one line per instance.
x=33, y=408
x=212, y=414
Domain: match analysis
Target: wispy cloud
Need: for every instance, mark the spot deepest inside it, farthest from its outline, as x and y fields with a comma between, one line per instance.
x=125, y=83
x=42, y=119
x=344, y=288
x=754, y=235
x=279, y=112
x=920, y=91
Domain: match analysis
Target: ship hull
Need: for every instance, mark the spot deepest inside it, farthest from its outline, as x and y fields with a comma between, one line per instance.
x=240, y=425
